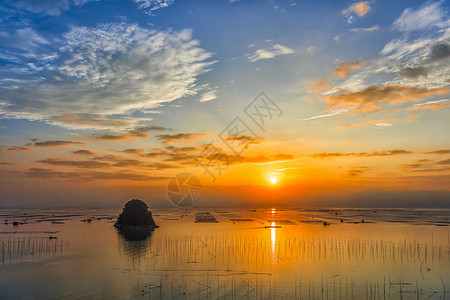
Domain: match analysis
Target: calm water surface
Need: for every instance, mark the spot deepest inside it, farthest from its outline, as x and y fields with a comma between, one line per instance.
x=248, y=254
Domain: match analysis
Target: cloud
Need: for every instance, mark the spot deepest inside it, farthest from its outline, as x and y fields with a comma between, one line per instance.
x=47, y=7
x=414, y=72
x=276, y=50
x=86, y=164
x=150, y=6
x=86, y=121
x=361, y=154
x=372, y=28
x=347, y=67
x=387, y=94
x=411, y=61
x=57, y=143
x=332, y=113
x=438, y=152
x=136, y=133
x=319, y=85
x=434, y=105
x=120, y=137
x=426, y=17
x=132, y=151
x=83, y=152
x=440, y=51
x=185, y=137
x=208, y=96
x=260, y=159
x=357, y=171
x=378, y=123
x=85, y=176
x=359, y=8
x=111, y=69
x=444, y=162
x=19, y=148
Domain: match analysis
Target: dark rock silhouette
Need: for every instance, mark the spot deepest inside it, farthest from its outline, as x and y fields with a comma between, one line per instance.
x=136, y=221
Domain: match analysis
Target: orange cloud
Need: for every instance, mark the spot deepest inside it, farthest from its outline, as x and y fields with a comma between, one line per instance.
x=361, y=8
x=123, y=137
x=319, y=85
x=19, y=148
x=346, y=68
x=390, y=93
x=368, y=108
x=366, y=123
x=186, y=137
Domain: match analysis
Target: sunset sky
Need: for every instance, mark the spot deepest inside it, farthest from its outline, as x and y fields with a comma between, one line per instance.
x=103, y=101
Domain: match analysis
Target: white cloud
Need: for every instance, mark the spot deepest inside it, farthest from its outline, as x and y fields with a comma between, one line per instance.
x=208, y=96
x=332, y=113
x=373, y=28
x=151, y=5
x=419, y=60
x=431, y=102
x=276, y=50
x=111, y=69
x=383, y=124
x=426, y=17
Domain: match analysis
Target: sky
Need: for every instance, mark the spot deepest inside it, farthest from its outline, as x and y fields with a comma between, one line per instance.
x=267, y=103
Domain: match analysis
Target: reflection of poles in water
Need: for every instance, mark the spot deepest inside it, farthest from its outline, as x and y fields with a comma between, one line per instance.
x=40, y=247
x=135, y=245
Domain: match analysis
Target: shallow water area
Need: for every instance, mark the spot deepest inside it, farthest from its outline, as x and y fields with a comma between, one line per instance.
x=245, y=253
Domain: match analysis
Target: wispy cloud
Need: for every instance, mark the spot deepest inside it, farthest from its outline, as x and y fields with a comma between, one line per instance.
x=276, y=50
x=110, y=69
x=435, y=105
x=150, y=6
x=378, y=123
x=426, y=17
x=332, y=113
x=357, y=171
x=361, y=154
x=319, y=85
x=387, y=94
x=180, y=137
x=372, y=28
x=136, y=133
x=346, y=68
x=89, y=175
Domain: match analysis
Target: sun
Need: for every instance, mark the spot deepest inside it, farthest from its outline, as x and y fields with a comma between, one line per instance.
x=273, y=180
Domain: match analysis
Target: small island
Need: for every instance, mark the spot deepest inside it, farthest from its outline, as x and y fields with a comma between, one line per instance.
x=136, y=221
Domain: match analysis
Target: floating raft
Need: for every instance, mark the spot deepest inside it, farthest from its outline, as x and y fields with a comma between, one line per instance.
x=205, y=218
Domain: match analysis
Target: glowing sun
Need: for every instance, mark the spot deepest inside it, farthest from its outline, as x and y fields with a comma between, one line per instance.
x=273, y=180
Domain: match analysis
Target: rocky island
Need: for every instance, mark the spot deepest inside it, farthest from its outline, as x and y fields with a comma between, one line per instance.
x=136, y=221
